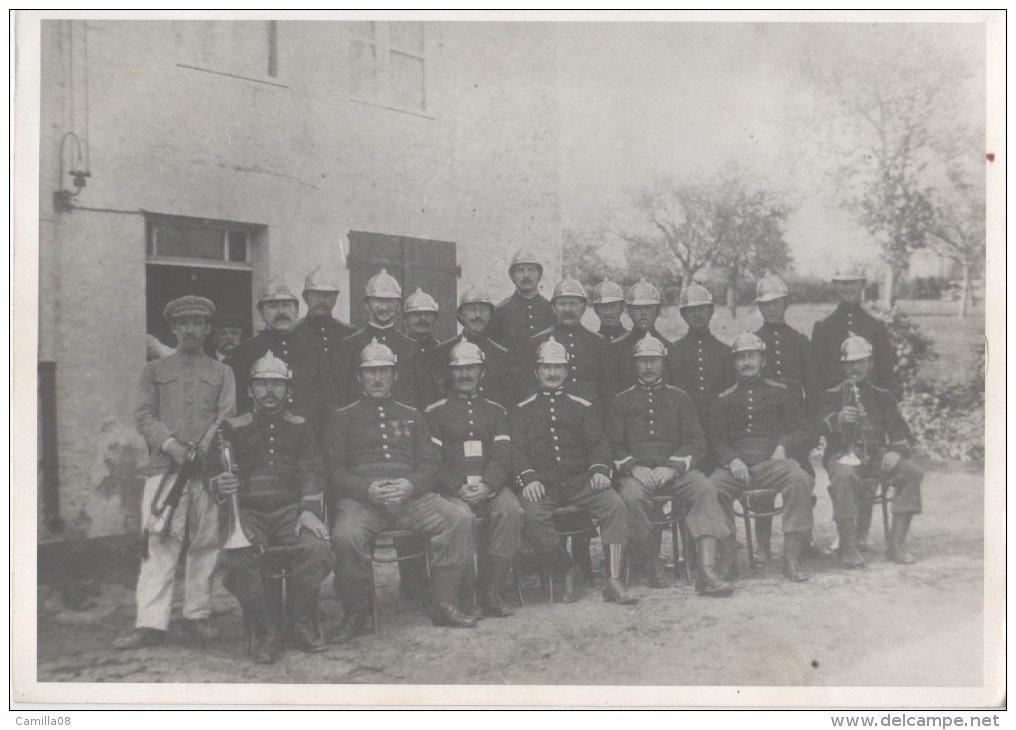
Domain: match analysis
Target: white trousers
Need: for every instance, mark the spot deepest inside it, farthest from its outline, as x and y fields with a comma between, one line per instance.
x=196, y=517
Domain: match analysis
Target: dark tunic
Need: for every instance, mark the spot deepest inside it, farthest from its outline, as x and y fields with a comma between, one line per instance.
x=473, y=435
x=829, y=333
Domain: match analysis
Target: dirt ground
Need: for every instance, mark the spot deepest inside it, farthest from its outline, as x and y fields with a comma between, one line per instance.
x=918, y=625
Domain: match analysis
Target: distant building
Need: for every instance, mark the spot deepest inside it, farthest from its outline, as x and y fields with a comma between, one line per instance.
x=214, y=155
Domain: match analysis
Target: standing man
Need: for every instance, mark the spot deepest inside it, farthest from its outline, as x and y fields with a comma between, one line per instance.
x=657, y=442
x=474, y=314
x=278, y=477
x=382, y=470
x=591, y=371
x=561, y=457
x=473, y=435
x=608, y=303
x=756, y=430
x=321, y=294
x=643, y=309
x=383, y=296
x=521, y=316
x=182, y=399
x=867, y=438
x=227, y=333
x=311, y=389
x=420, y=312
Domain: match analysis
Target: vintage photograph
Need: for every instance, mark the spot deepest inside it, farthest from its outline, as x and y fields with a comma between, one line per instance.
x=602, y=351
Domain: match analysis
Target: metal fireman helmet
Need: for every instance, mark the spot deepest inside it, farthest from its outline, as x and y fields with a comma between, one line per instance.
x=269, y=367
x=377, y=355
x=608, y=292
x=465, y=353
x=278, y=290
x=854, y=347
x=523, y=256
x=189, y=305
x=748, y=342
x=552, y=352
x=475, y=295
x=569, y=288
x=770, y=288
x=850, y=273
x=383, y=286
x=420, y=301
x=649, y=346
x=642, y=294
x=694, y=295
x=319, y=280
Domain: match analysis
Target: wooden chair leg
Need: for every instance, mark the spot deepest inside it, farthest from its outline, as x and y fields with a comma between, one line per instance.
x=747, y=535
x=675, y=548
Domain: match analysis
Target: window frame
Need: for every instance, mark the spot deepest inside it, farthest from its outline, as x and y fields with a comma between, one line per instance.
x=383, y=47
x=152, y=255
x=272, y=72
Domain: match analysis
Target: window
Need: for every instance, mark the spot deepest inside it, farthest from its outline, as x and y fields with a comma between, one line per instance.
x=387, y=63
x=198, y=242
x=243, y=48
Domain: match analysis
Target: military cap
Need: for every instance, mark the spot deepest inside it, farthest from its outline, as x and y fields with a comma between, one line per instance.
x=383, y=286
x=855, y=347
x=523, y=256
x=608, y=292
x=465, y=353
x=376, y=354
x=189, y=305
x=227, y=320
x=850, y=273
x=694, y=295
x=569, y=288
x=319, y=280
x=552, y=352
x=270, y=367
x=475, y=295
x=420, y=301
x=277, y=290
x=642, y=293
x=649, y=346
x=748, y=342
x=770, y=288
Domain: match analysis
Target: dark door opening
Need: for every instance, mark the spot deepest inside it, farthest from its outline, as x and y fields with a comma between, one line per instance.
x=229, y=289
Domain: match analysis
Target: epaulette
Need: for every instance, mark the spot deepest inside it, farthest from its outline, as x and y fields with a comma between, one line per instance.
x=493, y=403
x=674, y=387
x=240, y=421
x=627, y=390
x=293, y=418
x=347, y=407
x=583, y=401
x=836, y=387
x=435, y=404
x=504, y=302
x=878, y=388
x=777, y=383
x=498, y=346
x=728, y=391
x=541, y=333
x=527, y=401
x=622, y=338
x=404, y=405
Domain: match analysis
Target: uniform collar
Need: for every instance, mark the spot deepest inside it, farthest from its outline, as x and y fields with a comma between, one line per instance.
x=651, y=388
x=383, y=328
x=772, y=327
x=427, y=343
x=568, y=328
x=471, y=396
x=519, y=295
x=191, y=357
x=552, y=393
x=849, y=307
x=757, y=380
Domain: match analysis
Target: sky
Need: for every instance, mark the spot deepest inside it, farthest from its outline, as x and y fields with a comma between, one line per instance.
x=692, y=99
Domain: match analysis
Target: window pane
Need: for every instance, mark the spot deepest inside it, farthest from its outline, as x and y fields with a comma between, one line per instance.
x=236, y=246
x=407, y=36
x=362, y=70
x=362, y=28
x=183, y=242
x=407, y=81
x=238, y=47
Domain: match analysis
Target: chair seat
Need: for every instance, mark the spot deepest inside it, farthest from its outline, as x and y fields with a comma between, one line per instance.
x=387, y=538
x=570, y=521
x=666, y=519
x=745, y=500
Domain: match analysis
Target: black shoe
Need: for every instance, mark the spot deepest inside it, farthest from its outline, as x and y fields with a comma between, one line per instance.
x=570, y=581
x=139, y=638
x=655, y=576
x=814, y=551
x=200, y=630
x=494, y=605
x=353, y=625
x=614, y=592
x=445, y=614
x=306, y=638
x=267, y=649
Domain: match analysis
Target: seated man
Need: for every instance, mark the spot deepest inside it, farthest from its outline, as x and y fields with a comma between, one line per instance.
x=382, y=469
x=756, y=430
x=866, y=437
x=472, y=433
x=656, y=439
x=269, y=459
x=560, y=457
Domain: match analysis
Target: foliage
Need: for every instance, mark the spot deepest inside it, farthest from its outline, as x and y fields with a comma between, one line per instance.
x=912, y=347
x=582, y=258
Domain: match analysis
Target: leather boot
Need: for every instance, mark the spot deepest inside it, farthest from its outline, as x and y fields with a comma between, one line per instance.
x=708, y=582
x=847, y=550
x=650, y=556
x=304, y=628
x=792, y=543
x=139, y=638
x=267, y=647
x=570, y=573
x=764, y=538
x=897, y=536
x=497, y=573
x=726, y=558
x=468, y=592
x=813, y=550
x=443, y=612
x=863, y=526
x=354, y=604
x=614, y=590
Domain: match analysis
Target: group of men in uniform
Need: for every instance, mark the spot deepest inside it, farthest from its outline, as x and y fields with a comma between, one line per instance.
x=317, y=437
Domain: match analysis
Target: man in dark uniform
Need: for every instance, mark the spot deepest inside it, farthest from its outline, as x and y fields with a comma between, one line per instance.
x=383, y=295
x=419, y=313
x=867, y=438
x=227, y=333
x=700, y=364
x=473, y=435
x=382, y=469
x=269, y=459
x=474, y=313
x=321, y=293
x=657, y=441
x=591, y=373
x=643, y=309
x=311, y=392
x=756, y=429
x=561, y=457
x=521, y=316
x=608, y=303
